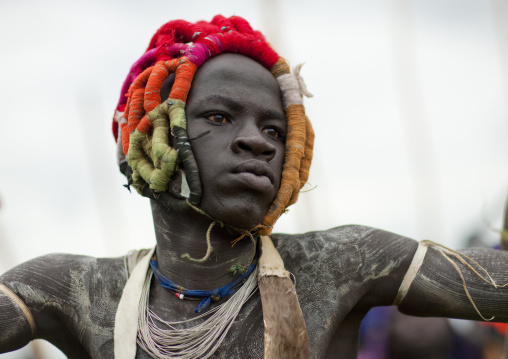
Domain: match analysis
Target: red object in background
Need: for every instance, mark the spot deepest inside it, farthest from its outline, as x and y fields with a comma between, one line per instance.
x=500, y=327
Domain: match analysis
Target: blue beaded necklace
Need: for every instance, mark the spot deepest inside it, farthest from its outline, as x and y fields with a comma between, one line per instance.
x=206, y=296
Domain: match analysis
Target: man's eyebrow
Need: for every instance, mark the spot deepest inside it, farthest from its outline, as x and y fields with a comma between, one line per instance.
x=236, y=106
x=224, y=100
x=275, y=115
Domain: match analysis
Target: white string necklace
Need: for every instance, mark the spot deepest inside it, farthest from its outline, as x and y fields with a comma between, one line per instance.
x=200, y=341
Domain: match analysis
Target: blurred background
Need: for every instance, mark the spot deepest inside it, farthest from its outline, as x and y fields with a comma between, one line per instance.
x=410, y=110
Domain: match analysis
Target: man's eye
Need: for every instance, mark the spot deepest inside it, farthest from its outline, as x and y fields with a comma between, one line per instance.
x=273, y=132
x=217, y=118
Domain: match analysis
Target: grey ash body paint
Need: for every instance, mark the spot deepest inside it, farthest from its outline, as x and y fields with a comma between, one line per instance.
x=340, y=274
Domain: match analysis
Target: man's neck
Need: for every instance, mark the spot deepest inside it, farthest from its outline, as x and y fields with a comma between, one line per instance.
x=185, y=233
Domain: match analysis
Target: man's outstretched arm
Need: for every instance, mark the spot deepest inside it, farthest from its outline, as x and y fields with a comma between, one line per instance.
x=15, y=330
x=32, y=296
x=444, y=286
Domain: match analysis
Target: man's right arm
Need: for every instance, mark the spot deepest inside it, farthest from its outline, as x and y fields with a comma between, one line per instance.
x=15, y=330
x=30, y=301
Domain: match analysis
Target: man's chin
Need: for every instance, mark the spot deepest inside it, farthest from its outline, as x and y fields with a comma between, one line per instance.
x=245, y=217
x=241, y=223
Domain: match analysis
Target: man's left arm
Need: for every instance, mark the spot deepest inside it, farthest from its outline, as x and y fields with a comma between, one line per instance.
x=466, y=284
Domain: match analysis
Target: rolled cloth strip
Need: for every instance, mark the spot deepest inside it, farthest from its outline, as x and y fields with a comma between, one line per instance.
x=285, y=335
x=299, y=148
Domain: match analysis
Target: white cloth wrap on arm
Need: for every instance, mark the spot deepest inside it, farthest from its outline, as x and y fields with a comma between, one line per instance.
x=415, y=265
x=22, y=306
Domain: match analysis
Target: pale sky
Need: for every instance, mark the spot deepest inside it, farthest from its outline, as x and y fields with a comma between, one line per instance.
x=410, y=111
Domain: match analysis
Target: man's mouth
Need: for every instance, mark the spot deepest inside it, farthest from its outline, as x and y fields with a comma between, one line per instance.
x=256, y=174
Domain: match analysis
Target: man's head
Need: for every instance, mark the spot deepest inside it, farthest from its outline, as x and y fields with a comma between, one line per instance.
x=153, y=136
x=237, y=103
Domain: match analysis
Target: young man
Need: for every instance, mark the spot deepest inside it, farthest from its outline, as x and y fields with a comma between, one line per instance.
x=221, y=160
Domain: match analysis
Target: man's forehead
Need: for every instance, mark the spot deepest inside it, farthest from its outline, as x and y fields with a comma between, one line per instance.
x=232, y=68
x=226, y=60
x=232, y=75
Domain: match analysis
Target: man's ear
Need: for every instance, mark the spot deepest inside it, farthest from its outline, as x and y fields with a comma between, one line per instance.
x=166, y=86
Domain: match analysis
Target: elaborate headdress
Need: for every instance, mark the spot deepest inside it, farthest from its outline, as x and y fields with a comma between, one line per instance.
x=151, y=136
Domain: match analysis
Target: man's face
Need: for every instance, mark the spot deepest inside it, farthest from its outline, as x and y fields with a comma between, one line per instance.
x=240, y=160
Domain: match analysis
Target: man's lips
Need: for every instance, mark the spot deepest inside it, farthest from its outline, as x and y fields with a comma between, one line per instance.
x=256, y=174
x=255, y=167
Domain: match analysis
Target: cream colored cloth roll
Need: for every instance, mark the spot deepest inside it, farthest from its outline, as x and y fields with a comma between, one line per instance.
x=126, y=319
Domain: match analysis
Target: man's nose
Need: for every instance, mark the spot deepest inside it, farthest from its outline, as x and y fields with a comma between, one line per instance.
x=250, y=138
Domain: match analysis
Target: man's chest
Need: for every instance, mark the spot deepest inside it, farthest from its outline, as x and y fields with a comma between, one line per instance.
x=241, y=337
x=325, y=304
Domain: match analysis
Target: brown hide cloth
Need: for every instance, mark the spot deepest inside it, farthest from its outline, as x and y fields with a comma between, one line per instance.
x=285, y=332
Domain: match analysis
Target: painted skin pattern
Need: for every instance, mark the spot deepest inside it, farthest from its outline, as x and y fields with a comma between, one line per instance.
x=340, y=274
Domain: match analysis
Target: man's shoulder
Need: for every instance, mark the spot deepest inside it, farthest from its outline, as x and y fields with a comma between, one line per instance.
x=319, y=242
x=343, y=249
x=58, y=276
x=61, y=264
